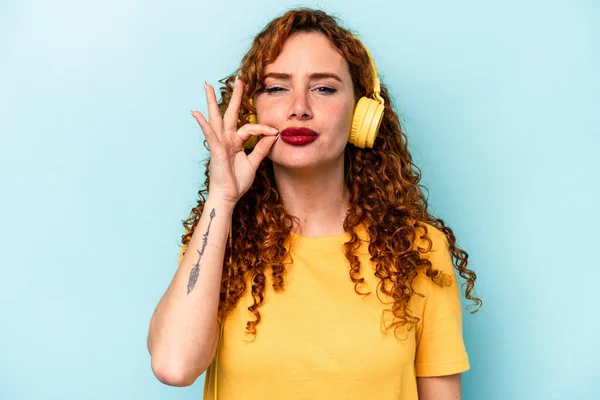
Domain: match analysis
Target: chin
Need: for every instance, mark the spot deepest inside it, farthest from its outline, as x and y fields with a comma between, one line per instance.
x=303, y=158
x=294, y=163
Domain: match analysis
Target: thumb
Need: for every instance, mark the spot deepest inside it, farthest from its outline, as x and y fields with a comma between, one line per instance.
x=261, y=150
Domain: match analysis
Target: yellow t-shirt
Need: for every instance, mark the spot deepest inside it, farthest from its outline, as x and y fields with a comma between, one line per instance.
x=318, y=339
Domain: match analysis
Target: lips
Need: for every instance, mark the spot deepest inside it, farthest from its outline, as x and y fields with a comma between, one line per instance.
x=298, y=136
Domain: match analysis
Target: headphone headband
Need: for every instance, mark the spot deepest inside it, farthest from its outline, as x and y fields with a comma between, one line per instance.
x=376, y=83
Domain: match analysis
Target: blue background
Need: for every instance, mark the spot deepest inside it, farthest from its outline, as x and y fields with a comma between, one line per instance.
x=100, y=161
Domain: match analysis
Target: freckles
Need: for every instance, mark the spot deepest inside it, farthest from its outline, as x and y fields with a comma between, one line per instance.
x=343, y=114
x=342, y=111
x=340, y=117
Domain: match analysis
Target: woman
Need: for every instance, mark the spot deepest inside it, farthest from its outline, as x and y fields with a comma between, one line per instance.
x=337, y=283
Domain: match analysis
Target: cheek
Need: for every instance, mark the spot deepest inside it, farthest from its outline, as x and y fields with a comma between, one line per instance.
x=266, y=113
x=341, y=115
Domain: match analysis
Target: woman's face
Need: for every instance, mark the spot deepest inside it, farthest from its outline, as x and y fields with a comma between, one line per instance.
x=307, y=86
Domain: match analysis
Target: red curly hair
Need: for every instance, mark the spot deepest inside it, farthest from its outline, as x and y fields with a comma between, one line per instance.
x=385, y=194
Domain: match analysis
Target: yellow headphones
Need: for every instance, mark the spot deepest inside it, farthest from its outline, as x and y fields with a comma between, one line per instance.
x=368, y=114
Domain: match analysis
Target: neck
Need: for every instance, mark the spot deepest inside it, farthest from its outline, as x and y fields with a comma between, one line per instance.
x=318, y=197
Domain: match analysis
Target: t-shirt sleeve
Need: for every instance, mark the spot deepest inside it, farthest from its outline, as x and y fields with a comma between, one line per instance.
x=440, y=346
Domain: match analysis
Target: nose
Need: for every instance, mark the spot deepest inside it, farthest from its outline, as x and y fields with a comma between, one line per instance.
x=300, y=107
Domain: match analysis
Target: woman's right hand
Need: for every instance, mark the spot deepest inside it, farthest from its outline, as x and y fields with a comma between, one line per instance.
x=231, y=171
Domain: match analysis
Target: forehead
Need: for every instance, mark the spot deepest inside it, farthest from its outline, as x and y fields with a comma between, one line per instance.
x=309, y=52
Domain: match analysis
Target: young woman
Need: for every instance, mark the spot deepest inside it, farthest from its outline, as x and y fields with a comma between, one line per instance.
x=311, y=267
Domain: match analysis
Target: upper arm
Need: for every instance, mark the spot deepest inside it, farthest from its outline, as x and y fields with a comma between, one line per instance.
x=447, y=387
x=440, y=346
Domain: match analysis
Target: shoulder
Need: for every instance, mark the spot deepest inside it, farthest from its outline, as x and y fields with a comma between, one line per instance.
x=436, y=235
x=432, y=244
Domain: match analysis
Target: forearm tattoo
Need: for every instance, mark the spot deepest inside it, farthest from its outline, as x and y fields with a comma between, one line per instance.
x=196, y=270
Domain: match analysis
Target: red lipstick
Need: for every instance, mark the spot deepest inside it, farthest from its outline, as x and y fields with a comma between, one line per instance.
x=298, y=136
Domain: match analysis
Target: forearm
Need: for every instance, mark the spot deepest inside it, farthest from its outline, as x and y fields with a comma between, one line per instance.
x=183, y=331
x=447, y=387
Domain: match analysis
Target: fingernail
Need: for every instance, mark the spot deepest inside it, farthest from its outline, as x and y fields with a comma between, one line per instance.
x=191, y=112
x=205, y=84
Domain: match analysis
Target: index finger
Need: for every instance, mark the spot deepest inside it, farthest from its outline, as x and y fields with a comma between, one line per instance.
x=231, y=114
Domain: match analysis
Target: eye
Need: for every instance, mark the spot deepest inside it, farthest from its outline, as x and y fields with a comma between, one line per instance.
x=326, y=90
x=273, y=89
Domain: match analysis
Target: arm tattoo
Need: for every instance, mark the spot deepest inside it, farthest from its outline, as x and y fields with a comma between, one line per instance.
x=196, y=270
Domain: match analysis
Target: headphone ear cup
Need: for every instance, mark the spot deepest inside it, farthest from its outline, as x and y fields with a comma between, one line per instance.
x=253, y=140
x=250, y=143
x=252, y=119
x=366, y=120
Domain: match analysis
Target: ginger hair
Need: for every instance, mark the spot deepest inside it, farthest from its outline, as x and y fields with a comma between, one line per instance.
x=385, y=194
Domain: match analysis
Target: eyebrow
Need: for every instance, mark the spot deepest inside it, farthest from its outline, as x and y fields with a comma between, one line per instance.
x=314, y=75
